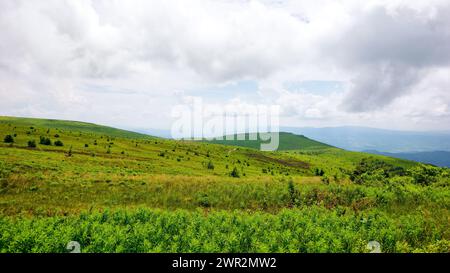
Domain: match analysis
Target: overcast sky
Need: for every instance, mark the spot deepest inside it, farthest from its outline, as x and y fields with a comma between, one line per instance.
x=381, y=64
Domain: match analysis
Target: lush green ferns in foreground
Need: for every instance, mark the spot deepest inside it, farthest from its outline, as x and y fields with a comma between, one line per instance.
x=311, y=229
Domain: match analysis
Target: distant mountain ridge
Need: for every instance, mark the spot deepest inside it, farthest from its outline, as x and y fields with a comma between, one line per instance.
x=361, y=138
x=364, y=138
x=437, y=158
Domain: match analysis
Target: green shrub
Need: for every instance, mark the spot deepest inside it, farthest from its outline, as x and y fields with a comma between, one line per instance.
x=370, y=170
x=31, y=143
x=8, y=139
x=59, y=143
x=45, y=141
x=235, y=173
x=210, y=166
x=424, y=174
x=319, y=172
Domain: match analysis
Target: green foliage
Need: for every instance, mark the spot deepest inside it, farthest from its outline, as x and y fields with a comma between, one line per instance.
x=293, y=194
x=8, y=139
x=210, y=165
x=31, y=143
x=307, y=230
x=325, y=180
x=45, y=140
x=425, y=174
x=319, y=172
x=59, y=143
x=235, y=173
x=369, y=168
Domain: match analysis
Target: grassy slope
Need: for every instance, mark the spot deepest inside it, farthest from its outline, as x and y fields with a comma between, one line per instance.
x=74, y=126
x=126, y=172
x=122, y=171
x=287, y=141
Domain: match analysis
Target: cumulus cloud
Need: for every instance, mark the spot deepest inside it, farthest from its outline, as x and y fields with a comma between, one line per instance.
x=126, y=62
x=390, y=51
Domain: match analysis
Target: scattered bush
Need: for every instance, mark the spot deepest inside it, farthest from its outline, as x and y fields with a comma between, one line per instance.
x=210, y=166
x=424, y=174
x=325, y=180
x=376, y=170
x=8, y=139
x=59, y=143
x=235, y=173
x=45, y=141
x=319, y=172
x=31, y=143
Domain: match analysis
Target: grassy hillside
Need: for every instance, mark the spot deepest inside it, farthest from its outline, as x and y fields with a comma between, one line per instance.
x=69, y=126
x=287, y=141
x=118, y=191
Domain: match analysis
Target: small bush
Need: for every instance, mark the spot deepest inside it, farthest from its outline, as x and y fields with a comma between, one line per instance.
x=369, y=170
x=31, y=143
x=45, y=141
x=235, y=173
x=325, y=180
x=319, y=172
x=210, y=166
x=203, y=200
x=8, y=139
x=424, y=174
x=59, y=143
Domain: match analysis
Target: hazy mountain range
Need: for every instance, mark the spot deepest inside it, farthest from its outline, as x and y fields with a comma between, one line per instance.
x=438, y=158
x=426, y=147
x=363, y=139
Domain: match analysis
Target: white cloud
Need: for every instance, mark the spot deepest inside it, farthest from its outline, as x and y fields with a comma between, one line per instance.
x=125, y=63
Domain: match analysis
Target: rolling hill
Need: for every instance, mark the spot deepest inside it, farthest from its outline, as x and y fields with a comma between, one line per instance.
x=287, y=141
x=75, y=126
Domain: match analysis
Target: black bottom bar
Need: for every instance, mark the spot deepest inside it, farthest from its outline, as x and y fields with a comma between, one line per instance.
x=224, y=262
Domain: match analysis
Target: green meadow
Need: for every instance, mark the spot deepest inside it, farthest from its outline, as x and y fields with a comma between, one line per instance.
x=119, y=191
